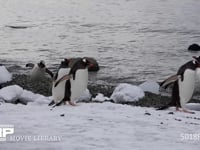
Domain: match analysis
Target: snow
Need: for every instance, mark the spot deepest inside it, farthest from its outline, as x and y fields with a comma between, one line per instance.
x=150, y=86
x=95, y=126
x=11, y=93
x=127, y=93
x=193, y=106
x=100, y=98
x=5, y=76
x=14, y=92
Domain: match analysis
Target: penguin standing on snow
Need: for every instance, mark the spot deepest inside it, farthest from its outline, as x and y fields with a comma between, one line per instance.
x=67, y=87
x=38, y=70
x=183, y=85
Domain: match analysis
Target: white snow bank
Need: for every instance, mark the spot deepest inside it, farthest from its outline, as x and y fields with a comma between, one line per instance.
x=11, y=93
x=127, y=93
x=29, y=96
x=95, y=126
x=150, y=86
x=14, y=92
x=100, y=98
x=193, y=106
x=5, y=76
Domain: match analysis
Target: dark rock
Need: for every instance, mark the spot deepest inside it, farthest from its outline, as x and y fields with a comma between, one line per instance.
x=42, y=86
x=62, y=115
x=171, y=113
x=17, y=27
x=146, y=113
x=161, y=123
x=194, y=47
x=106, y=90
x=177, y=119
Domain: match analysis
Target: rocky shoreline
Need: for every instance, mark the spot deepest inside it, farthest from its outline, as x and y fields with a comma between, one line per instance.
x=43, y=87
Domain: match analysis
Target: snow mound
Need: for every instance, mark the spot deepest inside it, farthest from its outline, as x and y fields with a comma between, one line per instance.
x=85, y=97
x=150, y=86
x=127, y=93
x=5, y=76
x=100, y=98
x=193, y=106
x=29, y=96
x=11, y=93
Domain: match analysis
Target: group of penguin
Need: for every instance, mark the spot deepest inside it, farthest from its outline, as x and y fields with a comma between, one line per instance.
x=70, y=83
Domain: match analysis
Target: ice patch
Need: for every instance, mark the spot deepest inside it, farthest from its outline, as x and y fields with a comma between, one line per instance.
x=100, y=98
x=5, y=76
x=150, y=86
x=127, y=93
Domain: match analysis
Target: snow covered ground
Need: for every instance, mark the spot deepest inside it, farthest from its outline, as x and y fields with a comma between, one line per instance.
x=95, y=126
x=99, y=126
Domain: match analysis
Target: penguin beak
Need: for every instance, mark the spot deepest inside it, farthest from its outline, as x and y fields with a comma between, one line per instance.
x=91, y=65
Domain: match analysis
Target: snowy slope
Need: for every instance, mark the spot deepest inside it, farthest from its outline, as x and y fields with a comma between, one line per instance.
x=94, y=126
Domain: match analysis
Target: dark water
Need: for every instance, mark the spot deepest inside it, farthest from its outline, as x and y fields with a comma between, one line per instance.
x=133, y=40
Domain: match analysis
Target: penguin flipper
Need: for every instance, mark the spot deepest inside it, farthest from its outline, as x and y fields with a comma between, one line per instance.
x=169, y=81
x=49, y=72
x=65, y=77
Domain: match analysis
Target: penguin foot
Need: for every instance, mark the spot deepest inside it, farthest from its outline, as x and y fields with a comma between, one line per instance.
x=72, y=103
x=184, y=110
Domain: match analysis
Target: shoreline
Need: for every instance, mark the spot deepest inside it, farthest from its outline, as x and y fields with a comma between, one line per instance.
x=43, y=87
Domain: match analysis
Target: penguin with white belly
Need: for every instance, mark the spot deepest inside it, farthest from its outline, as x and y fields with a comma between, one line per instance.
x=68, y=86
x=183, y=85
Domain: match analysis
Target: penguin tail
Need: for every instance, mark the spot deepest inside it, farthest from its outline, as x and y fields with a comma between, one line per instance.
x=169, y=81
x=57, y=104
x=51, y=103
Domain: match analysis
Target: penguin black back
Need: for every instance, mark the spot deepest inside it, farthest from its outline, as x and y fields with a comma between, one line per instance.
x=63, y=64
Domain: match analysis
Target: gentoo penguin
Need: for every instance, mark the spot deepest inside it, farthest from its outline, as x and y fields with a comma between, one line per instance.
x=38, y=70
x=58, y=90
x=183, y=85
x=68, y=86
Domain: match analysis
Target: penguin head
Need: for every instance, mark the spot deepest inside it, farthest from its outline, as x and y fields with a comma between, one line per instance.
x=197, y=59
x=41, y=64
x=65, y=63
x=87, y=63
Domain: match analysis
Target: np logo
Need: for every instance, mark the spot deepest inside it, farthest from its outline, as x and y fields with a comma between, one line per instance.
x=5, y=130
